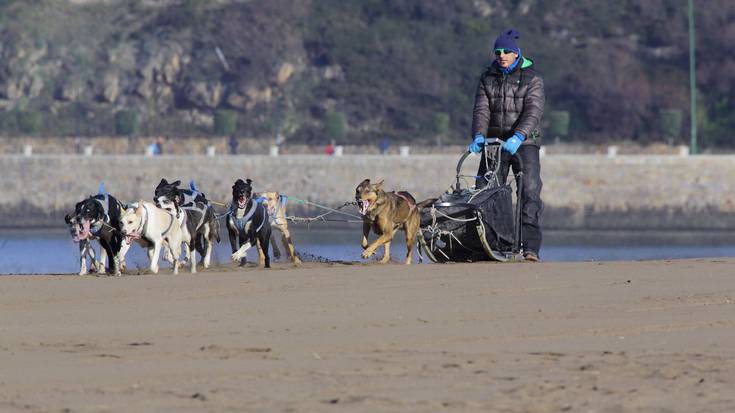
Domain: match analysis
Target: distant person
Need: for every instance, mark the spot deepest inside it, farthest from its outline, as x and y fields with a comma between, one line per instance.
x=383, y=145
x=329, y=150
x=233, y=142
x=156, y=147
x=159, y=145
x=152, y=149
x=280, y=140
x=508, y=105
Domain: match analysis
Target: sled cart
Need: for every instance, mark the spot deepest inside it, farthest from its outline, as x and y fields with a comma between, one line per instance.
x=468, y=223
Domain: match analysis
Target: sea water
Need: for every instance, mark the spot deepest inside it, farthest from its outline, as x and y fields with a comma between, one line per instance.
x=53, y=251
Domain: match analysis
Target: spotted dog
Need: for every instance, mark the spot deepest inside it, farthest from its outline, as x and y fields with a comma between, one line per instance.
x=195, y=215
x=98, y=218
x=153, y=228
x=86, y=250
x=248, y=224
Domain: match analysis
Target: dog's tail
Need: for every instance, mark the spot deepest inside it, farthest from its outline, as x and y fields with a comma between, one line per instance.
x=193, y=186
x=101, y=189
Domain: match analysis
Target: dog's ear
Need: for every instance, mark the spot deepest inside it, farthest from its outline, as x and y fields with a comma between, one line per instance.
x=379, y=185
x=364, y=184
x=238, y=183
x=249, y=181
x=139, y=209
x=163, y=182
x=67, y=218
x=175, y=183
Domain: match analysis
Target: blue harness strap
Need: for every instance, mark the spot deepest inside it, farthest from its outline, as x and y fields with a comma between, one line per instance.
x=240, y=222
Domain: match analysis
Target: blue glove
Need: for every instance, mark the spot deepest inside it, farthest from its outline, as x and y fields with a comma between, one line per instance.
x=512, y=144
x=477, y=143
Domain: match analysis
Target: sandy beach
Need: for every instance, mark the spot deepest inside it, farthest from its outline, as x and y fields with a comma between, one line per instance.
x=656, y=336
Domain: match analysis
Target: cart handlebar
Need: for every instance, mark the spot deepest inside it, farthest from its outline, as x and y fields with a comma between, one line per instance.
x=489, y=141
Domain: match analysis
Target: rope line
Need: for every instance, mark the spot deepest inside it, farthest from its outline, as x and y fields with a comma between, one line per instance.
x=306, y=220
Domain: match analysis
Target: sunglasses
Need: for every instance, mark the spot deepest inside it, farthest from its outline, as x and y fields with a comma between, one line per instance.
x=498, y=52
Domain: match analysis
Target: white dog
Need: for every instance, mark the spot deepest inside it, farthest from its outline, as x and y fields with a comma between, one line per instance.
x=150, y=226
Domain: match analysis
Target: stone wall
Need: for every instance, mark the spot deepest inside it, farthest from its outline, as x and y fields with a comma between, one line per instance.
x=580, y=191
x=137, y=145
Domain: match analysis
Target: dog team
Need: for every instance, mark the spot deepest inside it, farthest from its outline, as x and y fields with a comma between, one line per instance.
x=185, y=217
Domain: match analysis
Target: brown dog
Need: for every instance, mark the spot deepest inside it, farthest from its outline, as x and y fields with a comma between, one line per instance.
x=277, y=211
x=385, y=213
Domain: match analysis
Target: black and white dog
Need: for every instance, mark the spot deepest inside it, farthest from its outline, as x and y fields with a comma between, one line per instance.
x=195, y=215
x=80, y=235
x=98, y=218
x=247, y=224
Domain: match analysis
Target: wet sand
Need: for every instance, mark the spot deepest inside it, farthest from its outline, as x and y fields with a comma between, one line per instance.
x=655, y=336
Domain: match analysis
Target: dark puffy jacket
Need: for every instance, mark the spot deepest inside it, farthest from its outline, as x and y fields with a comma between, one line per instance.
x=506, y=104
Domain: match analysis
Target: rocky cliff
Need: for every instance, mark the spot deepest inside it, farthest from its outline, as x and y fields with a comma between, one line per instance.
x=406, y=70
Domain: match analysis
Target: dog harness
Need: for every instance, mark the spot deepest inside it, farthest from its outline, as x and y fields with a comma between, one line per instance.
x=193, y=207
x=411, y=204
x=104, y=201
x=281, y=204
x=141, y=229
x=240, y=222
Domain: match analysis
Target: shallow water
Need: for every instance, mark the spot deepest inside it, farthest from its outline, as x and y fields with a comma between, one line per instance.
x=52, y=251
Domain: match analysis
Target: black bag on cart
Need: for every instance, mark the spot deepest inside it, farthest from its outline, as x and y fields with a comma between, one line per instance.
x=466, y=225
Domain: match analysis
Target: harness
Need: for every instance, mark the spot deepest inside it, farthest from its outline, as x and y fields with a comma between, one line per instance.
x=281, y=204
x=411, y=204
x=191, y=206
x=240, y=222
x=104, y=201
x=142, y=228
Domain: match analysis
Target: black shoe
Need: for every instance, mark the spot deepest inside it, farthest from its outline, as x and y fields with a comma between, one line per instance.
x=531, y=256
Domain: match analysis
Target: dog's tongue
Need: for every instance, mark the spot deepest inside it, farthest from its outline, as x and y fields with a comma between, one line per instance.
x=129, y=238
x=84, y=234
x=364, y=207
x=241, y=201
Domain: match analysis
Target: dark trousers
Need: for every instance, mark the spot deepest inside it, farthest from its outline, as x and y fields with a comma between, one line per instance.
x=531, y=205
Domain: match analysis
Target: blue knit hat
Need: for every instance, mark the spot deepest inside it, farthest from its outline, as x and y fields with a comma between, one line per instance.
x=507, y=40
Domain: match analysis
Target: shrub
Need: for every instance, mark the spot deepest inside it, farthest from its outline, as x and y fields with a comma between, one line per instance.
x=225, y=122
x=441, y=126
x=559, y=123
x=335, y=125
x=29, y=122
x=126, y=122
x=669, y=122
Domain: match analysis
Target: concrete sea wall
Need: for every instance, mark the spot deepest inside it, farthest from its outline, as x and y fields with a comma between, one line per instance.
x=580, y=191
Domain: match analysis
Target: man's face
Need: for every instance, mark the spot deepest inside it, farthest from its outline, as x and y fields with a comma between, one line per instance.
x=505, y=57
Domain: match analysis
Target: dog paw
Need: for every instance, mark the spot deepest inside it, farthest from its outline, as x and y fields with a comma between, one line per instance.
x=367, y=254
x=235, y=257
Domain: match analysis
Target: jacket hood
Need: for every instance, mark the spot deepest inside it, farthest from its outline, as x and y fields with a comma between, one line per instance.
x=524, y=64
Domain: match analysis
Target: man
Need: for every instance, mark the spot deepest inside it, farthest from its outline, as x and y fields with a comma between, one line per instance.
x=508, y=105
